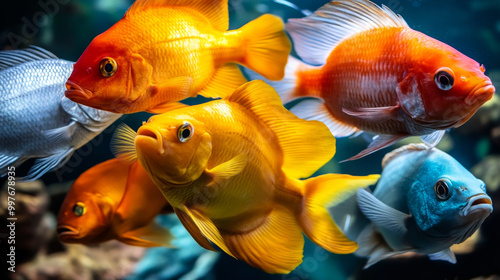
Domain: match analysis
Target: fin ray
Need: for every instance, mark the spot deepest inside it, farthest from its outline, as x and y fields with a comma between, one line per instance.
x=316, y=35
x=276, y=246
x=122, y=144
x=152, y=235
x=266, y=46
x=324, y=192
x=302, y=155
x=215, y=10
x=11, y=58
x=44, y=165
x=224, y=82
x=315, y=109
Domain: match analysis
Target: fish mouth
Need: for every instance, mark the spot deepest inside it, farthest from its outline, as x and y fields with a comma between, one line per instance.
x=66, y=232
x=482, y=92
x=76, y=92
x=149, y=138
x=477, y=203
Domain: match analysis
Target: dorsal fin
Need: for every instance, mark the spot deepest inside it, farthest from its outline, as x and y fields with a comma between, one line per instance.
x=401, y=150
x=10, y=58
x=306, y=145
x=316, y=35
x=215, y=10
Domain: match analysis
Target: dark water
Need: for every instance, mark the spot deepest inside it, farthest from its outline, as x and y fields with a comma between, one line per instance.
x=66, y=27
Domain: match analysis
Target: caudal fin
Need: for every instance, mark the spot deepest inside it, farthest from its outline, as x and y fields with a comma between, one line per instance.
x=286, y=87
x=267, y=46
x=321, y=193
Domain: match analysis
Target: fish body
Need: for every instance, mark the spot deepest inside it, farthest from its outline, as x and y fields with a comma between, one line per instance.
x=163, y=51
x=424, y=202
x=38, y=120
x=378, y=75
x=113, y=201
x=230, y=170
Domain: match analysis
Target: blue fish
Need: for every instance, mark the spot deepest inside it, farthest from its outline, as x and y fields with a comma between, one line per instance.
x=38, y=121
x=424, y=202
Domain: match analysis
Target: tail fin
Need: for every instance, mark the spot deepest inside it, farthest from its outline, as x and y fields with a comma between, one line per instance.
x=286, y=87
x=321, y=193
x=267, y=46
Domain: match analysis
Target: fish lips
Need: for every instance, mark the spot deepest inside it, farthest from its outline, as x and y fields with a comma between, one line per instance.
x=67, y=233
x=77, y=93
x=480, y=203
x=482, y=93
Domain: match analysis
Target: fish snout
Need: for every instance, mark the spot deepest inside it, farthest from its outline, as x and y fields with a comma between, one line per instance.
x=480, y=93
x=478, y=203
x=75, y=92
x=150, y=137
x=66, y=232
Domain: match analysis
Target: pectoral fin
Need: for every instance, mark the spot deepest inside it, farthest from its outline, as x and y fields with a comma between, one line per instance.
x=381, y=214
x=174, y=89
x=166, y=107
x=378, y=114
x=379, y=142
x=445, y=255
x=227, y=169
x=208, y=229
x=195, y=232
x=44, y=165
x=152, y=235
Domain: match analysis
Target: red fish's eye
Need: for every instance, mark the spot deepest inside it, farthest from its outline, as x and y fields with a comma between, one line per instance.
x=444, y=78
x=108, y=67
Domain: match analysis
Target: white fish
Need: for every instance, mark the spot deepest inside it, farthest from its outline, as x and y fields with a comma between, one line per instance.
x=38, y=121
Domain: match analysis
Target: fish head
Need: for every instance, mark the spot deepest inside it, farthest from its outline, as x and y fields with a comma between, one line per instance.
x=173, y=148
x=109, y=76
x=83, y=217
x=447, y=201
x=452, y=85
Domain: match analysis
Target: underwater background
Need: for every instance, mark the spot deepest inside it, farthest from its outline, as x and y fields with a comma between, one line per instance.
x=66, y=27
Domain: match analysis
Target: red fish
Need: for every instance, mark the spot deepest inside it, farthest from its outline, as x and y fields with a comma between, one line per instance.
x=113, y=201
x=378, y=75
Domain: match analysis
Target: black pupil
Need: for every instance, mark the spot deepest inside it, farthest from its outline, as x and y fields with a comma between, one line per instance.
x=108, y=67
x=441, y=189
x=185, y=133
x=77, y=209
x=444, y=80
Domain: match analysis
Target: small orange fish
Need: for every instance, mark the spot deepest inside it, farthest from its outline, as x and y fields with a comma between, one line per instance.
x=379, y=75
x=113, y=201
x=168, y=50
x=230, y=170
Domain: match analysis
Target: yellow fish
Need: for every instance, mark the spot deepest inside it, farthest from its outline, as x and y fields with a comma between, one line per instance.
x=168, y=50
x=113, y=201
x=230, y=170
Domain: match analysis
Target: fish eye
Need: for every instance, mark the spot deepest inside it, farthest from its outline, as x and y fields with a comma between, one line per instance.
x=185, y=132
x=108, y=67
x=79, y=209
x=442, y=189
x=444, y=78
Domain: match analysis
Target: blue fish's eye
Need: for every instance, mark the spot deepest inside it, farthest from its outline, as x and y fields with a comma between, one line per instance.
x=185, y=132
x=444, y=78
x=79, y=209
x=442, y=189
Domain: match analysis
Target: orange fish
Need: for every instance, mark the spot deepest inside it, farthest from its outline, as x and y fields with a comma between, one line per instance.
x=230, y=170
x=113, y=201
x=379, y=75
x=168, y=50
